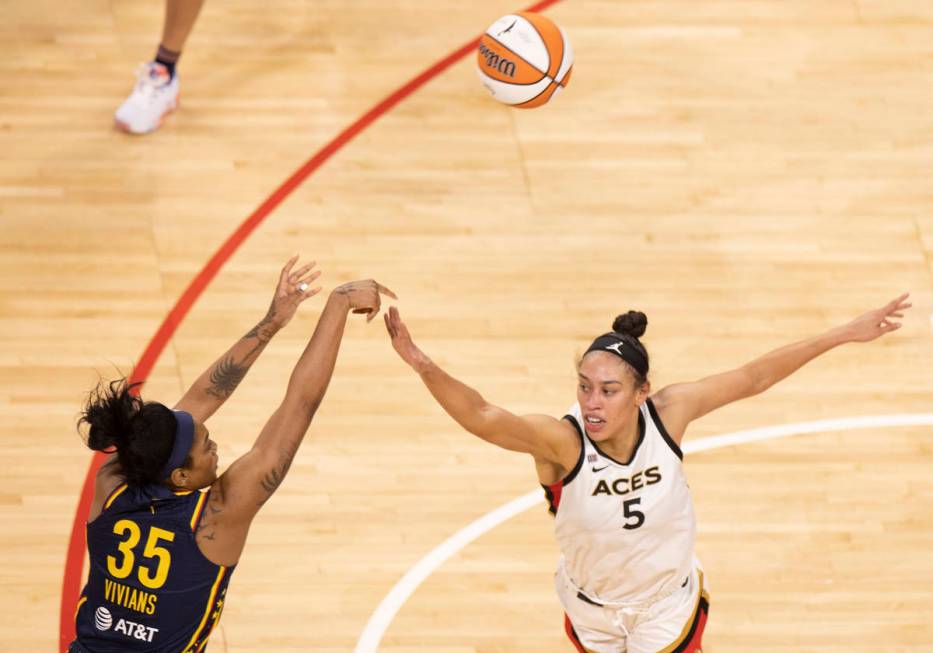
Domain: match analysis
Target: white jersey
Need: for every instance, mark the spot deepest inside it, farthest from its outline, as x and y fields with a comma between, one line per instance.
x=626, y=529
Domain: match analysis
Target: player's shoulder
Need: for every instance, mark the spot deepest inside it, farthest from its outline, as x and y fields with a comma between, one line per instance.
x=107, y=482
x=555, y=428
x=667, y=396
x=108, y=478
x=667, y=409
x=565, y=444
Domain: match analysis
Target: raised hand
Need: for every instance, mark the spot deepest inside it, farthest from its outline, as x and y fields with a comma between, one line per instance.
x=876, y=323
x=293, y=287
x=402, y=342
x=217, y=383
x=364, y=297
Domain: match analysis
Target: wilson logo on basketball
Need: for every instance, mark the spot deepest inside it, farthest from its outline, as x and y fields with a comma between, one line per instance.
x=493, y=60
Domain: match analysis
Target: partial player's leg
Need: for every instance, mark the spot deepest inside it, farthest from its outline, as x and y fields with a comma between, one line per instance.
x=588, y=626
x=156, y=90
x=675, y=624
x=180, y=16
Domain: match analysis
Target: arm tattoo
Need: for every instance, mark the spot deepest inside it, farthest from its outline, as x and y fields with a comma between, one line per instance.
x=274, y=477
x=225, y=377
x=260, y=331
x=208, y=517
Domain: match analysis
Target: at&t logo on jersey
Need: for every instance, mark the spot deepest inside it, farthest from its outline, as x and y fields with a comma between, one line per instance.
x=102, y=619
x=135, y=630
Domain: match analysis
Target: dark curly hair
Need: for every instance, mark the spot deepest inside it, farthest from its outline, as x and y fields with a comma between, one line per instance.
x=140, y=433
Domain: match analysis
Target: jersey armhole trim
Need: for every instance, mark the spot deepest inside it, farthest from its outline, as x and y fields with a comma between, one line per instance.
x=664, y=434
x=198, y=510
x=117, y=491
x=576, y=468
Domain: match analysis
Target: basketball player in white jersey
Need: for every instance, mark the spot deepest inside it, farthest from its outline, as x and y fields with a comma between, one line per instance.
x=628, y=578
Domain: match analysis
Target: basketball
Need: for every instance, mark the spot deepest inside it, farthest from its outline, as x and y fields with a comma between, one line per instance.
x=524, y=59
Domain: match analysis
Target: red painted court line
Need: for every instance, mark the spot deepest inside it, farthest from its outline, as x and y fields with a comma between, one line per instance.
x=74, y=561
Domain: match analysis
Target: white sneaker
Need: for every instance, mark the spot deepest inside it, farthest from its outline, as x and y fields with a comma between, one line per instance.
x=154, y=97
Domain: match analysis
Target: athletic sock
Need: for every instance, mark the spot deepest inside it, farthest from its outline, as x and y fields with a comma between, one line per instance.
x=167, y=58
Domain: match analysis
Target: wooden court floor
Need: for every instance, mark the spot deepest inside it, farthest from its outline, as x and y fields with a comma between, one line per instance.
x=745, y=172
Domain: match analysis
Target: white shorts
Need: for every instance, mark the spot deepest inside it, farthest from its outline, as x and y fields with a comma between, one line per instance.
x=671, y=624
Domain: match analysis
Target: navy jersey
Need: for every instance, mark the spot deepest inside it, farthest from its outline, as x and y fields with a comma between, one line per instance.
x=149, y=589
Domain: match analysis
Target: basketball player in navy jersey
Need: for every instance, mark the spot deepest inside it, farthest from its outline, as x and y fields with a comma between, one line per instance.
x=628, y=578
x=162, y=551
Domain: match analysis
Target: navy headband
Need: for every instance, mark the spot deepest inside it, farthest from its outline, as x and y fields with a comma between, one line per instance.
x=616, y=343
x=184, y=437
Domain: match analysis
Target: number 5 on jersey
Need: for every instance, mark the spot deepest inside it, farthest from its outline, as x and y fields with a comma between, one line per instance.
x=631, y=513
x=152, y=550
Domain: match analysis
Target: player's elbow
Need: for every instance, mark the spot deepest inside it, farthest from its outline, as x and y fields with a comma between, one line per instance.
x=309, y=406
x=301, y=405
x=486, y=423
x=756, y=380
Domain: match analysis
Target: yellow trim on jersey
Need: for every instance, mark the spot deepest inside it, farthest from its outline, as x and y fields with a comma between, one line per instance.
x=679, y=640
x=204, y=643
x=113, y=495
x=197, y=510
x=207, y=611
x=181, y=493
x=78, y=607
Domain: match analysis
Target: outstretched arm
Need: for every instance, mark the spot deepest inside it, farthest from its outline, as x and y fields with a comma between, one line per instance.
x=252, y=478
x=217, y=383
x=682, y=403
x=539, y=435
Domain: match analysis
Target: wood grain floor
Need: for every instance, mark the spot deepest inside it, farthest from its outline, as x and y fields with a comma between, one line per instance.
x=747, y=173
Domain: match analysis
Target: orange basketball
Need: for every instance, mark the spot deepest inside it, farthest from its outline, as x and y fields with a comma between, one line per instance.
x=524, y=59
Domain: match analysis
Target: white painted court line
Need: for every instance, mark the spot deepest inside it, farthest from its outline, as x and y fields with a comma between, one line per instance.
x=389, y=606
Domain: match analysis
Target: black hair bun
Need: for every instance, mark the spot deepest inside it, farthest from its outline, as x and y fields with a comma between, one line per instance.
x=632, y=324
x=109, y=413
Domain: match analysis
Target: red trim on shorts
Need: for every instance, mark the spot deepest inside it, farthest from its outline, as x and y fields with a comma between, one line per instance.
x=695, y=644
x=572, y=634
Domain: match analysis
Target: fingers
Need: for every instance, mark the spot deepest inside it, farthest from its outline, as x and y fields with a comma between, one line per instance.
x=896, y=308
x=375, y=300
x=389, y=329
x=288, y=268
x=897, y=302
x=397, y=324
x=299, y=289
x=294, y=277
x=369, y=308
x=302, y=283
x=379, y=289
x=366, y=297
x=393, y=320
x=890, y=326
x=384, y=290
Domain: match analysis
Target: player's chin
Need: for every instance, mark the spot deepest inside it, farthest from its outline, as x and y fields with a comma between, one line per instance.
x=598, y=431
